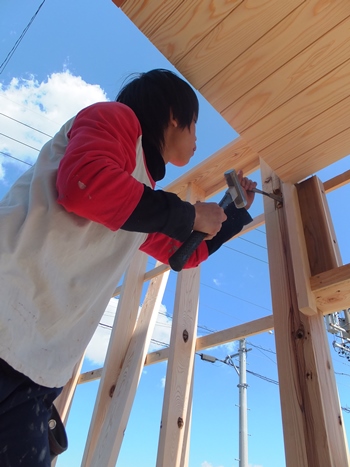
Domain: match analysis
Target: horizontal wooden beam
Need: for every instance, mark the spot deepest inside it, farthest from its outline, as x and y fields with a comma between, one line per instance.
x=332, y=289
x=214, y=339
x=209, y=174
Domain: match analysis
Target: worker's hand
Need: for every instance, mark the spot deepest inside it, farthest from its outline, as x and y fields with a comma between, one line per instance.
x=209, y=218
x=247, y=185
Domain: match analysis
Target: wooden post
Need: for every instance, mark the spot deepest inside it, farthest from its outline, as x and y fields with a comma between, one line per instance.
x=116, y=419
x=123, y=328
x=174, y=432
x=312, y=418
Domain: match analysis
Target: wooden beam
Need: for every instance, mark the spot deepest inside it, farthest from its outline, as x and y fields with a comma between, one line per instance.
x=174, y=431
x=123, y=327
x=332, y=289
x=322, y=246
x=337, y=182
x=209, y=174
x=251, y=328
x=123, y=395
x=312, y=418
x=298, y=250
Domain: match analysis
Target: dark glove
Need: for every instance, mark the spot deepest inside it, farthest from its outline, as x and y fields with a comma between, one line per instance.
x=236, y=220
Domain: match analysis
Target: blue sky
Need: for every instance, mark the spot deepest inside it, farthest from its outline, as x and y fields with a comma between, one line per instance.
x=80, y=52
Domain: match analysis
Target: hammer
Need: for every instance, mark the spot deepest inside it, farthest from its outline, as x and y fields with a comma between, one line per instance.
x=234, y=194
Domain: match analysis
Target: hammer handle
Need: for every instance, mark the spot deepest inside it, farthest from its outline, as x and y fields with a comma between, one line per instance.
x=182, y=254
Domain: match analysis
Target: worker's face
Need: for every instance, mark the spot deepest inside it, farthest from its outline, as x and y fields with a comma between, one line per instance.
x=179, y=143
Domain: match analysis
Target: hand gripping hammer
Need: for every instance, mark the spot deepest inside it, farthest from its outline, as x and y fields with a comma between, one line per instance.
x=235, y=194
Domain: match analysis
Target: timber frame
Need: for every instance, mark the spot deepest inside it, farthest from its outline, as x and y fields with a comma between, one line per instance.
x=281, y=80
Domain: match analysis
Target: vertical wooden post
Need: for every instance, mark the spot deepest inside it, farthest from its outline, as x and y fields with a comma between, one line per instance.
x=312, y=419
x=116, y=419
x=173, y=444
x=123, y=328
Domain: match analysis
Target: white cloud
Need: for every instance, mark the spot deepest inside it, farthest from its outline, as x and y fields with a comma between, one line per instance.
x=97, y=348
x=162, y=381
x=208, y=464
x=42, y=105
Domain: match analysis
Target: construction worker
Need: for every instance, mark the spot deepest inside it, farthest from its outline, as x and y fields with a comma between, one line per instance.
x=69, y=228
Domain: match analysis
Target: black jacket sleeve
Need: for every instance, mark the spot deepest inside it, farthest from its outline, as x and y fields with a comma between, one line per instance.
x=236, y=220
x=164, y=212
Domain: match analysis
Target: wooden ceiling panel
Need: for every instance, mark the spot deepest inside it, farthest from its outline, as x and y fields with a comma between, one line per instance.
x=317, y=60
x=278, y=72
x=149, y=15
x=249, y=22
x=286, y=40
x=320, y=156
x=295, y=113
x=188, y=25
x=287, y=156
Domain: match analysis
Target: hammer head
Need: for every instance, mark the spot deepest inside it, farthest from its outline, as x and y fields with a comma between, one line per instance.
x=235, y=190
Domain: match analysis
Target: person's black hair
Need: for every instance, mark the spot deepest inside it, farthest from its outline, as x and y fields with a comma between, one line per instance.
x=153, y=96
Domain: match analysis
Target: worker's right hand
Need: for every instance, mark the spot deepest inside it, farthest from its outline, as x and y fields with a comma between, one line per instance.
x=209, y=218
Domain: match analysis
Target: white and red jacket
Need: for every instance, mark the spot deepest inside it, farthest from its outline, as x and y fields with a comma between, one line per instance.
x=68, y=231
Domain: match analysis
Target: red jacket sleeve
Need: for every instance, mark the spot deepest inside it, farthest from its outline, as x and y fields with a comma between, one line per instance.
x=94, y=176
x=161, y=247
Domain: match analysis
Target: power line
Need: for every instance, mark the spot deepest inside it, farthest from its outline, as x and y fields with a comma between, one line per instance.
x=13, y=157
x=19, y=40
x=20, y=142
x=25, y=124
x=245, y=254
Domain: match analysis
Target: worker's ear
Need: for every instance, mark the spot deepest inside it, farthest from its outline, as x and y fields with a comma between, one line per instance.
x=173, y=121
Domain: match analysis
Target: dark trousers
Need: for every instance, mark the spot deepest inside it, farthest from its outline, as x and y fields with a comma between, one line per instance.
x=25, y=408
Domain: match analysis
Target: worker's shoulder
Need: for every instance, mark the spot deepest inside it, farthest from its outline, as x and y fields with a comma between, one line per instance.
x=111, y=111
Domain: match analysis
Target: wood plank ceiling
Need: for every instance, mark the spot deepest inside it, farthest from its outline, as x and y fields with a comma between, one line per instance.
x=277, y=70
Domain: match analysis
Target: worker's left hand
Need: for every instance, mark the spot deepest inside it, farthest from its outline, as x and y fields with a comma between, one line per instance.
x=247, y=185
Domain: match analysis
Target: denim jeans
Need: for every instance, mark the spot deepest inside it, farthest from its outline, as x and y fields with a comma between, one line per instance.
x=25, y=409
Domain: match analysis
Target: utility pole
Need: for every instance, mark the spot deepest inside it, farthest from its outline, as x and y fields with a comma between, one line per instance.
x=243, y=419
x=242, y=386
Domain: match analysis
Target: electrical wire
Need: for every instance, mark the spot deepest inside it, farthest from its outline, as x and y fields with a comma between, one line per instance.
x=19, y=40
x=20, y=142
x=16, y=158
x=25, y=124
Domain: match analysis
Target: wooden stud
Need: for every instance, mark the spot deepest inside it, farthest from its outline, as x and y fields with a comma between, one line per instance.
x=321, y=243
x=123, y=328
x=299, y=256
x=177, y=394
x=123, y=395
x=312, y=418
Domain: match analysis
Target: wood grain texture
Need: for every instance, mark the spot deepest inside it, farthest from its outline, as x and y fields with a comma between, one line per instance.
x=289, y=37
x=307, y=149
x=317, y=60
x=332, y=289
x=299, y=255
x=308, y=104
x=123, y=328
x=188, y=25
x=177, y=403
x=311, y=413
x=117, y=416
x=320, y=239
x=209, y=174
x=221, y=48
